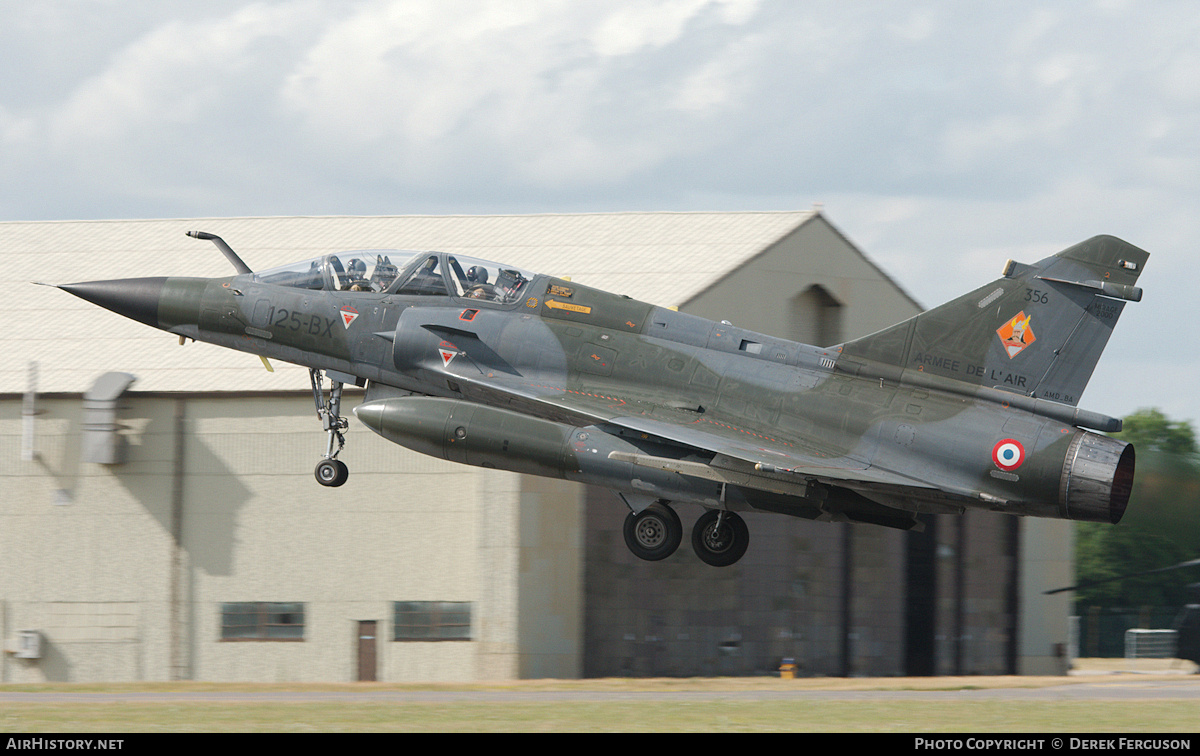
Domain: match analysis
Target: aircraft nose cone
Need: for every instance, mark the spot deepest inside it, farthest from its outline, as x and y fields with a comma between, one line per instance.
x=135, y=298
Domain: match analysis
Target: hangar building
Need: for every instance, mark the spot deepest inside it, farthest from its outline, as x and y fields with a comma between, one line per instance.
x=159, y=519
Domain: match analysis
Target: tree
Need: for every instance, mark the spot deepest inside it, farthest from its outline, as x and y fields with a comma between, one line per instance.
x=1160, y=528
x=1150, y=430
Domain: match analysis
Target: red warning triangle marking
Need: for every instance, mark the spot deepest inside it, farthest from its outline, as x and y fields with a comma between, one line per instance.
x=447, y=355
x=348, y=316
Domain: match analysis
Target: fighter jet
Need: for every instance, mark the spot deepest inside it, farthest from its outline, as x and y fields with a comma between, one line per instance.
x=969, y=405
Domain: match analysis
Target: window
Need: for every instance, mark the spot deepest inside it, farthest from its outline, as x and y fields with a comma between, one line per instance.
x=425, y=279
x=363, y=270
x=488, y=281
x=262, y=620
x=431, y=620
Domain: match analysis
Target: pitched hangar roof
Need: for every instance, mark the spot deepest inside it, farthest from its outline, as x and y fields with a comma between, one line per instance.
x=74, y=342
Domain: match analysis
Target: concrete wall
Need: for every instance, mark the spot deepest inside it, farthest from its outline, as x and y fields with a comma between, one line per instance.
x=1047, y=562
x=88, y=555
x=759, y=294
x=83, y=551
x=258, y=528
x=550, y=579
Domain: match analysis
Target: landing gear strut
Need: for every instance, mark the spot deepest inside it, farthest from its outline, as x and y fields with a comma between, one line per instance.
x=330, y=471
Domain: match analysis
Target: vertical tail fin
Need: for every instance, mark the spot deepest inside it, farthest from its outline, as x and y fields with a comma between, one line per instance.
x=1037, y=331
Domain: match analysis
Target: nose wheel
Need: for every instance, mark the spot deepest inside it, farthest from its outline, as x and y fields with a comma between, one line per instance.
x=330, y=471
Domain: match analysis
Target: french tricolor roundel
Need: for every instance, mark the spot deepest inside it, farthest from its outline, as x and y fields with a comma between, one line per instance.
x=1008, y=454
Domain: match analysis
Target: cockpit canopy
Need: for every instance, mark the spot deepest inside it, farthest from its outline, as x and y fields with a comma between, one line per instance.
x=466, y=277
x=403, y=273
x=363, y=270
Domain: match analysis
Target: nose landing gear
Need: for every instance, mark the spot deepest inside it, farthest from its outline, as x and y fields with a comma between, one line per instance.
x=330, y=471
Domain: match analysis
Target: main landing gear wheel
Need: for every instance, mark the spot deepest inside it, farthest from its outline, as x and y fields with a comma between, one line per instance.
x=720, y=537
x=654, y=533
x=331, y=472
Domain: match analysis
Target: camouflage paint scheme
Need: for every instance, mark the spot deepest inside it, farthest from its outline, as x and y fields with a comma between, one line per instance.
x=971, y=404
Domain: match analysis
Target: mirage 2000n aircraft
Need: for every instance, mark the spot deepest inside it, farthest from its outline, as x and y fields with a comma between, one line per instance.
x=971, y=404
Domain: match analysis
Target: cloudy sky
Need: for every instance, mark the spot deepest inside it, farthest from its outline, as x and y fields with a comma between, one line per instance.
x=942, y=137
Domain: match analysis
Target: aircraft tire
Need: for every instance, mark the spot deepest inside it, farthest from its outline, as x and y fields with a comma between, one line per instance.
x=720, y=548
x=331, y=472
x=654, y=533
